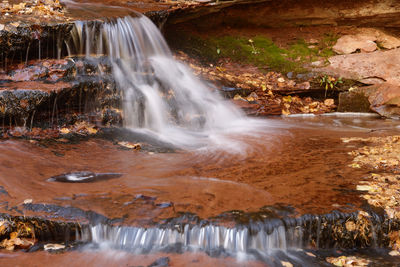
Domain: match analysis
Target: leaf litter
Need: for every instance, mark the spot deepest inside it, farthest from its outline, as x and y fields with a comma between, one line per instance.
x=381, y=188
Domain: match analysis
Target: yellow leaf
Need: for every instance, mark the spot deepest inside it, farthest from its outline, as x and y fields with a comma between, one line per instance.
x=221, y=69
x=64, y=131
x=286, y=264
x=13, y=235
x=355, y=165
x=263, y=87
x=91, y=130
x=364, y=188
x=287, y=99
x=237, y=97
x=136, y=146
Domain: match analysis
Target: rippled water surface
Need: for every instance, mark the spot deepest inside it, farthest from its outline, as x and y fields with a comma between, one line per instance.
x=298, y=163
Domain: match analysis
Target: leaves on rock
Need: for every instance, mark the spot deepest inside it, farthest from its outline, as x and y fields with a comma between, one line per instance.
x=38, y=8
x=382, y=154
x=269, y=89
x=19, y=236
x=347, y=261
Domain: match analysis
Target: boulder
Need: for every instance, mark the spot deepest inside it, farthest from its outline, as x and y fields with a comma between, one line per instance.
x=365, y=40
x=372, y=68
x=348, y=44
x=354, y=101
x=382, y=98
x=385, y=100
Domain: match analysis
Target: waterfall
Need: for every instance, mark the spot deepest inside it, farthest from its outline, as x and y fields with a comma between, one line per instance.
x=161, y=95
x=240, y=242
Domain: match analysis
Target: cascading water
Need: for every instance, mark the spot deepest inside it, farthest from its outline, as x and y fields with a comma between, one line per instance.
x=213, y=239
x=160, y=95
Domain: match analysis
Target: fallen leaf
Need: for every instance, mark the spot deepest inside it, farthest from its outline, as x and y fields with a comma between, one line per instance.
x=286, y=264
x=310, y=254
x=237, y=97
x=64, y=131
x=329, y=102
x=287, y=99
x=91, y=130
x=129, y=145
x=364, y=188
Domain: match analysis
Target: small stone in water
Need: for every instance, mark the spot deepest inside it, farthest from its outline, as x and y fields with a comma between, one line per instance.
x=394, y=253
x=28, y=201
x=164, y=204
x=53, y=246
x=83, y=177
x=140, y=196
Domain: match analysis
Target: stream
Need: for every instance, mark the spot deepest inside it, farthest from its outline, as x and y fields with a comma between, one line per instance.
x=210, y=187
x=166, y=204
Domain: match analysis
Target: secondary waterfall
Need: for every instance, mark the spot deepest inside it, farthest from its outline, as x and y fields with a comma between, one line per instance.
x=161, y=95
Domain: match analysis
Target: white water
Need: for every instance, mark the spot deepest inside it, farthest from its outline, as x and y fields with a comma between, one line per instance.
x=237, y=242
x=161, y=95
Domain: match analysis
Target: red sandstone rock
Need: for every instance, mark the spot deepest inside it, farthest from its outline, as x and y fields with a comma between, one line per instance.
x=351, y=43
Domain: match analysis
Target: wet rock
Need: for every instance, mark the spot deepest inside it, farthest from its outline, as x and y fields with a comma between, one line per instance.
x=68, y=213
x=164, y=205
x=29, y=41
x=20, y=99
x=246, y=106
x=44, y=91
x=112, y=116
x=382, y=98
x=83, y=177
x=230, y=92
x=145, y=198
x=126, y=135
x=161, y=262
x=354, y=101
x=3, y=191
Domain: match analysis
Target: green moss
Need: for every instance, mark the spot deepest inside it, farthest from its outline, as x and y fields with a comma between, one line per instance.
x=259, y=50
x=326, y=44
